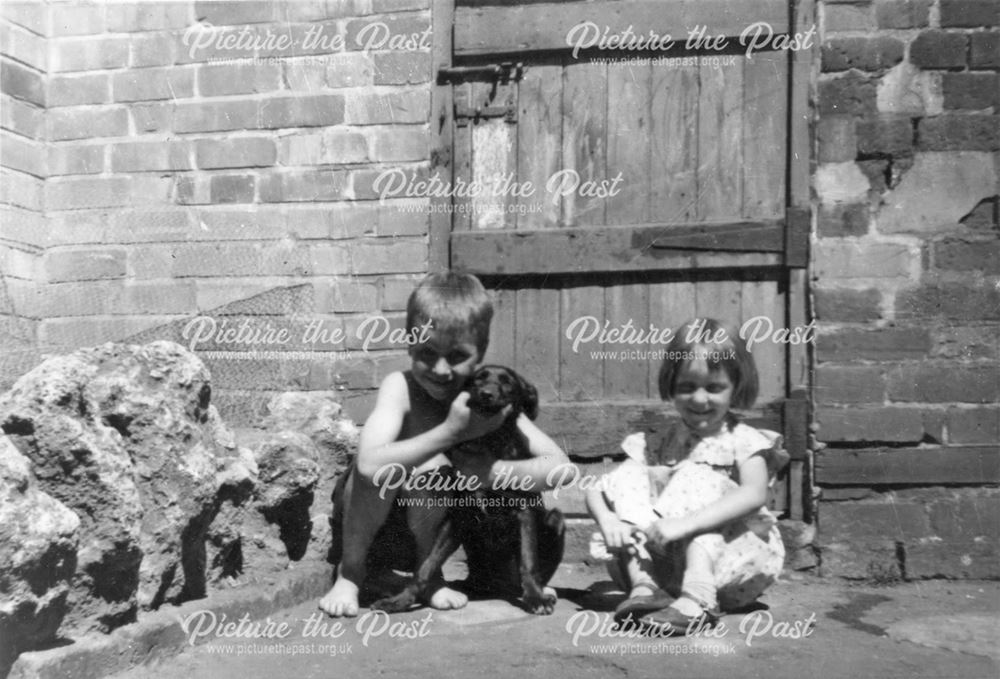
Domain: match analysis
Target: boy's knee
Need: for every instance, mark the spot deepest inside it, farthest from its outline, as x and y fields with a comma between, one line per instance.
x=388, y=476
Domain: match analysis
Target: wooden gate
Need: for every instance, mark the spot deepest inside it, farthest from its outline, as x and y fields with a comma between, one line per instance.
x=637, y=188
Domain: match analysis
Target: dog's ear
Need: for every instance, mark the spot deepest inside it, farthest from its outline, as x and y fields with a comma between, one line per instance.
x=529, y=397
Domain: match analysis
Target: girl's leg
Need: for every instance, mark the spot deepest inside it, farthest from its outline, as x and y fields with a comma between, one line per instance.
x=645, y=594
x=748, y=565
x=627, y=491
x=639, y=572
x=698, y=589
x=697, y=603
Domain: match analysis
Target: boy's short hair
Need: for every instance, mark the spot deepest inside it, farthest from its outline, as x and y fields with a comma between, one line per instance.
x=729, y=355
x=454, y=303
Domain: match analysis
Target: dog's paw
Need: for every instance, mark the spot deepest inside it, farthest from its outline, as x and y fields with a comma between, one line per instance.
x=541, y=603
x=403, y=601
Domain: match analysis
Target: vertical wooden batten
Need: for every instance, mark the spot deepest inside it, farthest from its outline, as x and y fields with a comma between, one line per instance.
x=441, y=160
x=800, y=154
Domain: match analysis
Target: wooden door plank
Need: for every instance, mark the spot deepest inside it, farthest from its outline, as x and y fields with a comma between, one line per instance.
x=537, y=342
x=796, y=491
x=503, y=329
x=720, y=300
x=800, y=118
x=798, y=317
x=441, y=135
x=625, y=376
x=461, y=220
x=539, y=144
x=720, y=141
x=761, y=300
x=670, y=306
x=581, y=375
x=494, y=159
x=629, y=89
x=765, y=152
x=673, y=145
x=585, y=133
x=545, y=26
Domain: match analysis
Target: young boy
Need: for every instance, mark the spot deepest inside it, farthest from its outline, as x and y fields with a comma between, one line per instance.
x=419, y=414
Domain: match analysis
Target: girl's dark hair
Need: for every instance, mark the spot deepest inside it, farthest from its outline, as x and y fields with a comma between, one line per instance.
x=454, y=303
x=696, y=338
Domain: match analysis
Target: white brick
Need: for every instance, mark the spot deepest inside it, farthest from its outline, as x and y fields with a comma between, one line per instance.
x=840, y=183
x=839, y=259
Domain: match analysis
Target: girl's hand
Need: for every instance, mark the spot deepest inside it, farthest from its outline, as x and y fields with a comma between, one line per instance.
x=617, y=533
x=663, y=532
x=465, y=424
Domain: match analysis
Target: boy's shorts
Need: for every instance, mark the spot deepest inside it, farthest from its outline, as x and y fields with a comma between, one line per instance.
x=393, y=548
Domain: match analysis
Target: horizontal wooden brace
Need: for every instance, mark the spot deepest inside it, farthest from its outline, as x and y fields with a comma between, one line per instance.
x=596, y=429
x=909, y=466
x=542, y=27
x=618, y=248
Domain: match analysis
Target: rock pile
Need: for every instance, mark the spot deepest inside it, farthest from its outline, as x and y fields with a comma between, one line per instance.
x=121, y=489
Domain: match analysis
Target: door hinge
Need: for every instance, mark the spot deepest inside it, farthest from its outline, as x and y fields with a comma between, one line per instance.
x=798, y=223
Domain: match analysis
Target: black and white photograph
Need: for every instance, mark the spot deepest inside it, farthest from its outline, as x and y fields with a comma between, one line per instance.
x=493, y=338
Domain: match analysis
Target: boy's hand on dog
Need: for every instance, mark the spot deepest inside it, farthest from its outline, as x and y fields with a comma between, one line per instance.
x=471, y=465
x=466, y=424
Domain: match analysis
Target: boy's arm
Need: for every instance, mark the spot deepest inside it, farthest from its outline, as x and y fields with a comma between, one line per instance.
x=380, y=444
x=546, y=457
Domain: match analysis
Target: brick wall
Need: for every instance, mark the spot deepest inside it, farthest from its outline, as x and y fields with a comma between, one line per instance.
x=23, y=65
x=907, y=286
x=216, y=158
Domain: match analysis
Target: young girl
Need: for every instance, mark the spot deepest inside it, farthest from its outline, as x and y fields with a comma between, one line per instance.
x=685, y=515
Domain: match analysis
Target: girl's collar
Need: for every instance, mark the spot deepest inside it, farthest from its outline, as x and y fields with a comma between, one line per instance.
x=727, y=426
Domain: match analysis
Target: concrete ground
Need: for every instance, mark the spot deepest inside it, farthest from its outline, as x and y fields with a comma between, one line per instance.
x=811, y=628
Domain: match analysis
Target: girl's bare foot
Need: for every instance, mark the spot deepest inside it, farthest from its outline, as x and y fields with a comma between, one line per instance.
x=341, y=600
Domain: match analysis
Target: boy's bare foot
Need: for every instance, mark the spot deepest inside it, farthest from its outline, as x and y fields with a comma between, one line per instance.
x=445, y=599
x=341, y=600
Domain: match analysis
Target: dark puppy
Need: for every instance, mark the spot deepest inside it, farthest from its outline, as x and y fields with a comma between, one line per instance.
x=513, y=546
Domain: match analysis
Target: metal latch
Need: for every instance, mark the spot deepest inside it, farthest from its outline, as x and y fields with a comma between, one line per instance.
x=502, y=73
x=463, y=113
x=501, y=78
